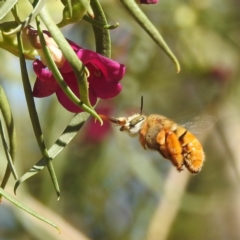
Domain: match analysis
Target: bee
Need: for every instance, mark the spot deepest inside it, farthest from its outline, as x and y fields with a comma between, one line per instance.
x=172, y=141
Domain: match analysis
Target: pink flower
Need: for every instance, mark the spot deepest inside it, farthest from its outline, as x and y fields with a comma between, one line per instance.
x=103, y=80
x=148, y=1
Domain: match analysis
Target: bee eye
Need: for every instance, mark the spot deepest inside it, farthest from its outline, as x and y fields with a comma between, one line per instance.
x=136, y=121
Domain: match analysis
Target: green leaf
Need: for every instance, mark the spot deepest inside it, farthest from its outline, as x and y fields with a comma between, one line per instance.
x=9, y=123
x=6, y=150
x=37, y=8
x=71, y=130
x=75, y=13
x=34, y=116
x=6, y=7
x=150, y=29
x=26, y=209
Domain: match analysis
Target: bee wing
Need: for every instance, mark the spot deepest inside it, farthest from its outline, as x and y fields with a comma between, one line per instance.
x=200, y=124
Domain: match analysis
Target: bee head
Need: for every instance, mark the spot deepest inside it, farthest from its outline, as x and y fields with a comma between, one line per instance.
x=133, y=124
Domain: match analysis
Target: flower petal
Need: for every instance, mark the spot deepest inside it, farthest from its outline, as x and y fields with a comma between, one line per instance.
x=71, y=81
x=112, y=70
x=106, y=90
x=45, y=84
x=74, y=46
x=102, y=88
x=66, y=68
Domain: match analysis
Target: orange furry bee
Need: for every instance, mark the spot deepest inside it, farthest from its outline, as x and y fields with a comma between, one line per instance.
x=173, y=141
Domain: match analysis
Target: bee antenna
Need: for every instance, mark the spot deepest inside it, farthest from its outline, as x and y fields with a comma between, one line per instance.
x=141, y=106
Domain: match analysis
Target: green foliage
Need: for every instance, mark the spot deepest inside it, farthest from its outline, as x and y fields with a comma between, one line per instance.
x=111, y=188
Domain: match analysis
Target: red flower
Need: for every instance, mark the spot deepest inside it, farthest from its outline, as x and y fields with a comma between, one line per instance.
x=104, y=78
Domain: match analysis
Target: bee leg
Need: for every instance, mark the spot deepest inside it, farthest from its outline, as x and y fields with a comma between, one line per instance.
x=142, y=135
x=174, y=149
x=166, y=148
x=161, y=140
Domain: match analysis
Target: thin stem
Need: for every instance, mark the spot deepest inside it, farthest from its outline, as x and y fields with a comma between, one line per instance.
x=102, y=36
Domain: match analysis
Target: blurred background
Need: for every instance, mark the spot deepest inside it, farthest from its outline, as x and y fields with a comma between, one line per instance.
x=111, y=188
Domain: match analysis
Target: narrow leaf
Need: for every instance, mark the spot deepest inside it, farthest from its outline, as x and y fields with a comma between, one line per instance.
x=6, y=7
x=37, y=8
x=71, y=130
x=9, y=123
x=26, y=209
x=6, y=150
x=150, y=29
x=34, y=116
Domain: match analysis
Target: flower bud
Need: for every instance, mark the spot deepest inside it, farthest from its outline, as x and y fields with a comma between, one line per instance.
x=54, y=50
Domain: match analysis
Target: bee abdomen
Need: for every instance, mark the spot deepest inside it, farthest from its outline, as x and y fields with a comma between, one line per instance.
x=193, y=153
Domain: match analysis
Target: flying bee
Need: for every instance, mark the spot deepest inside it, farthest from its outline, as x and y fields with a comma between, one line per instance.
x=172, y=141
